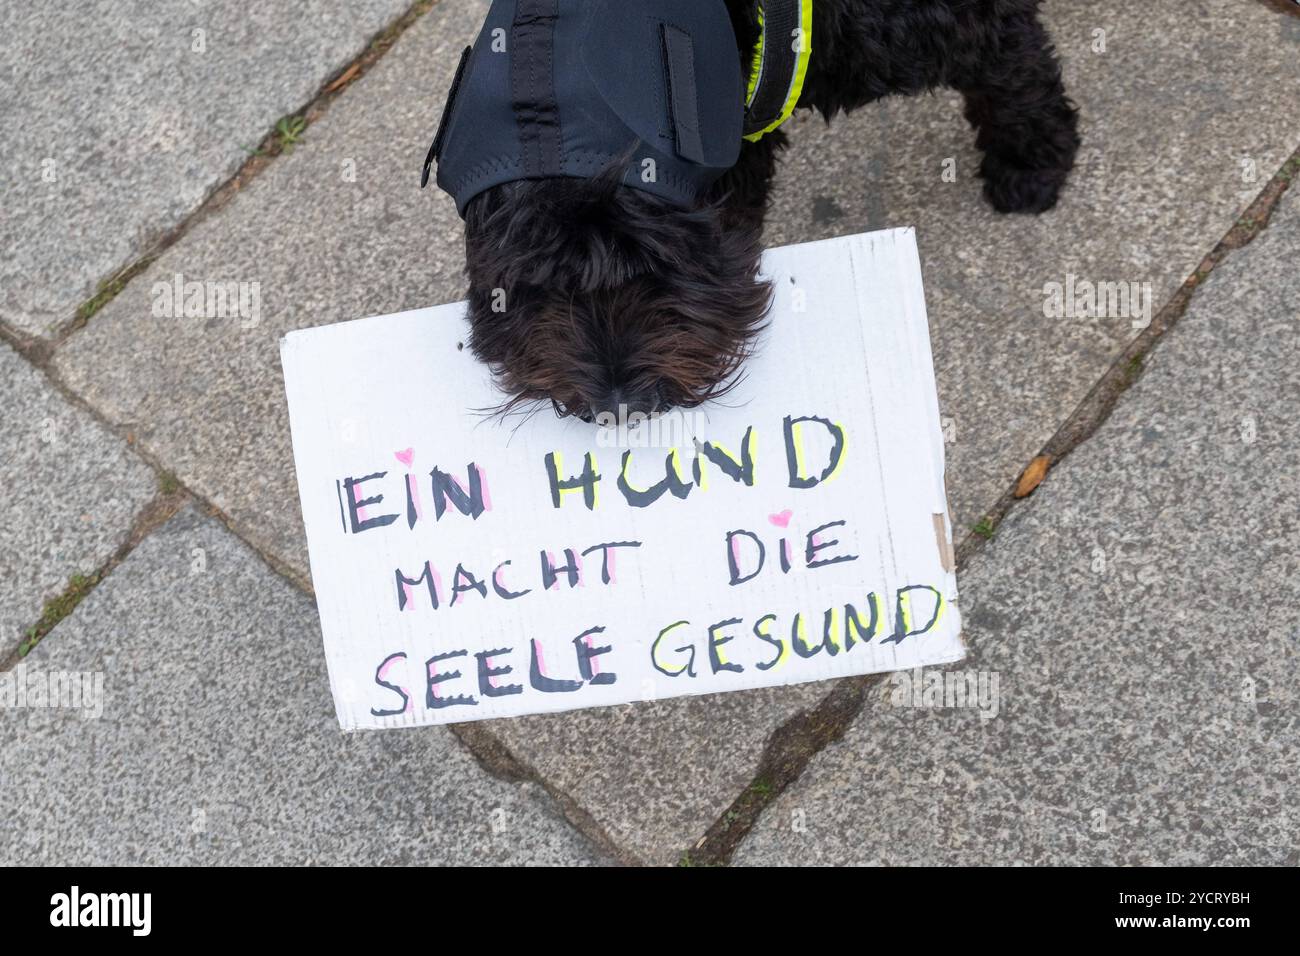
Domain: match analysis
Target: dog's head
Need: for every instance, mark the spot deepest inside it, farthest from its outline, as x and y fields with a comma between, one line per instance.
x=600, y=298
x=611, y=210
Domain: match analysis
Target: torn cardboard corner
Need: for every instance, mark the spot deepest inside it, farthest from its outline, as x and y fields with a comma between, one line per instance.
x=943, y=541
x=466, y=569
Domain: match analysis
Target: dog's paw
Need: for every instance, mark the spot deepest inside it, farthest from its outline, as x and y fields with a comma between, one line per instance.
x=1016, y=189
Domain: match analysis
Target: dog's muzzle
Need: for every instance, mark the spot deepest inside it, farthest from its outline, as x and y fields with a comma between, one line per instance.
x=648, y=91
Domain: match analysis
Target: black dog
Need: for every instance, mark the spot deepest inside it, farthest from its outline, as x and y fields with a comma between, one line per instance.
x=599, y=297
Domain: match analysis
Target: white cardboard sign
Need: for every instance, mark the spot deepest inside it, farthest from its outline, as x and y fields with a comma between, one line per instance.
x=466, y=568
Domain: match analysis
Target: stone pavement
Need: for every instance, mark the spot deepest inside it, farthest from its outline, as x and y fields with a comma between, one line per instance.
x=74, y=488
x=337, y=229
x=121, y=117
x=217, y=742
x=1173, y=151
x=1141, y=614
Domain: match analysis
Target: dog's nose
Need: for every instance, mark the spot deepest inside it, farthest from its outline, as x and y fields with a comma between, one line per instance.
x=620, y=404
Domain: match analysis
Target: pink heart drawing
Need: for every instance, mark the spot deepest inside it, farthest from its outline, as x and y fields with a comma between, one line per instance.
x=782, y=520
x=406, y=457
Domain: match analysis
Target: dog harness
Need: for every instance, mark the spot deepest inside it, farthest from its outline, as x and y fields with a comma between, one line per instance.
x=780, y=65
x=584, y=88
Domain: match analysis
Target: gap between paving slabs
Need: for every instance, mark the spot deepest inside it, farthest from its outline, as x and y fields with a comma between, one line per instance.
x=171, y=497
x=287, y=132
x=793, y=745
x=153, y=515
x=281, y=139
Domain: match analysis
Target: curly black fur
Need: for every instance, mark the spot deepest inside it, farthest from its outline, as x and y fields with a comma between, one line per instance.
x=594, y=296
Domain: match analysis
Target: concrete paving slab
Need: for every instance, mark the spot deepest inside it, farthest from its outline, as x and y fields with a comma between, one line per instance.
x=654, y=776
x=1173, y=152
x=338, y=230
x=72, y=489
x=211, y=738
x=1141, y=615
x=120, y=118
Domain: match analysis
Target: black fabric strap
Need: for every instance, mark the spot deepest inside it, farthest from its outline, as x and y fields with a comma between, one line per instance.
x=779, y=62
x=435, y=151
x=683, y=96
x=532, y=86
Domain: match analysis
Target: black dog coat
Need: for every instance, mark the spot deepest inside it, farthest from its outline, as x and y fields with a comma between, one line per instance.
x=577, y=88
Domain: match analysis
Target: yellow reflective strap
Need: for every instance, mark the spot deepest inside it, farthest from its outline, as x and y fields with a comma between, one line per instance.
x=804, y=51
